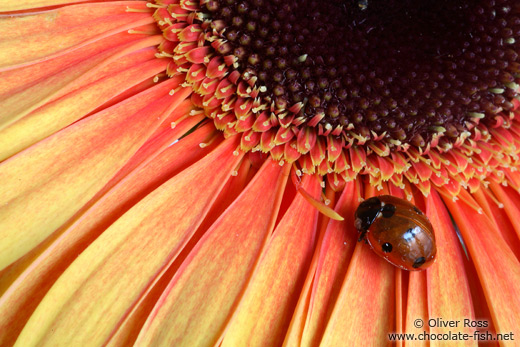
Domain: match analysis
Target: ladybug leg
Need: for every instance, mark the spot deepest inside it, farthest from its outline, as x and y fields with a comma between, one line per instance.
x=362, y=236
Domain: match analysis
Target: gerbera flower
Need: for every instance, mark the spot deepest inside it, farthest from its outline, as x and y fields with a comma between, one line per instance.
x=186, y=172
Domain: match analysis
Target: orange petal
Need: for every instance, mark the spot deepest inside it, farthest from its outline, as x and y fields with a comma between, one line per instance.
x=294, y=333
x=509, y=198
x=233, y=188
x=449, y=296
x=493, y=207
x=15, y=80
x=37, y=36
x=160, y=140
x=27, y=88
x=401, y=277
x=197, y=303
x=363, y=314
x=32, y=4
x=56, y=115
x=53, y=179
x=163, y=138
x=334, y=256
x=107, y=279
x=416, y=306
x=264, y=312
x=38, y=274
x=130, y=328
x=414, y=294
x=497, y=267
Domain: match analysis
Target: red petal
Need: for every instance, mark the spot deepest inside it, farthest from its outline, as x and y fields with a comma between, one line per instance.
x=497, y=267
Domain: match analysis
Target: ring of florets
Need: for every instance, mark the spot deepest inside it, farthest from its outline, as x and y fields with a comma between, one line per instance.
x=439, y=111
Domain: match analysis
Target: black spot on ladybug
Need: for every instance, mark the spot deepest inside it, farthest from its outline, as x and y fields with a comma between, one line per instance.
x=367, y=213
x=418, y=262
x=387, y=247
x=388, y=210
x=385, y=221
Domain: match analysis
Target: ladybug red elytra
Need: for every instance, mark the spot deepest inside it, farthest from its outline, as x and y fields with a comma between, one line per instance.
x=397, y=231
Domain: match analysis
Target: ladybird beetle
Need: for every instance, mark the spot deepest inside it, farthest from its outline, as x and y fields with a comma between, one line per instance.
x=397, y=231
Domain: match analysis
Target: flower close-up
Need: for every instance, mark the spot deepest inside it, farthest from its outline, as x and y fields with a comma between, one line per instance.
x=259, y=172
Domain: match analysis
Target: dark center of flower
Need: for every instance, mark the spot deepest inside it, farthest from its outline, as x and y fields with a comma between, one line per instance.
x=401, y=71
x=418, y=91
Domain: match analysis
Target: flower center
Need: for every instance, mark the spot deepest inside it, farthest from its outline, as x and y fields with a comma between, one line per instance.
x=405, y=70
x=331, y=84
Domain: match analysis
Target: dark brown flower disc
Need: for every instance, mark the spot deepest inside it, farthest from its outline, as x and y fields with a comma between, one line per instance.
x=406, y=69
x=415, y=91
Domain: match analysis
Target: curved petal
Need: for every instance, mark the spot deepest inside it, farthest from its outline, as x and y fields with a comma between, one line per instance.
x=106, y=280
x=30, y=286
x=357, y=317
x=449, y=296
x=48, y=33
x=334, y=256
x=102, y=144
x=197, y=303
x=264, y=312
x=497, y=267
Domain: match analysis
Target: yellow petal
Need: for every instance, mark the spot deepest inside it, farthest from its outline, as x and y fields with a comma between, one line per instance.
x=102, y=284
x=58, y=114
x=26, y=88
x=52, y=182
x=31, y=4
x=34, y=277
